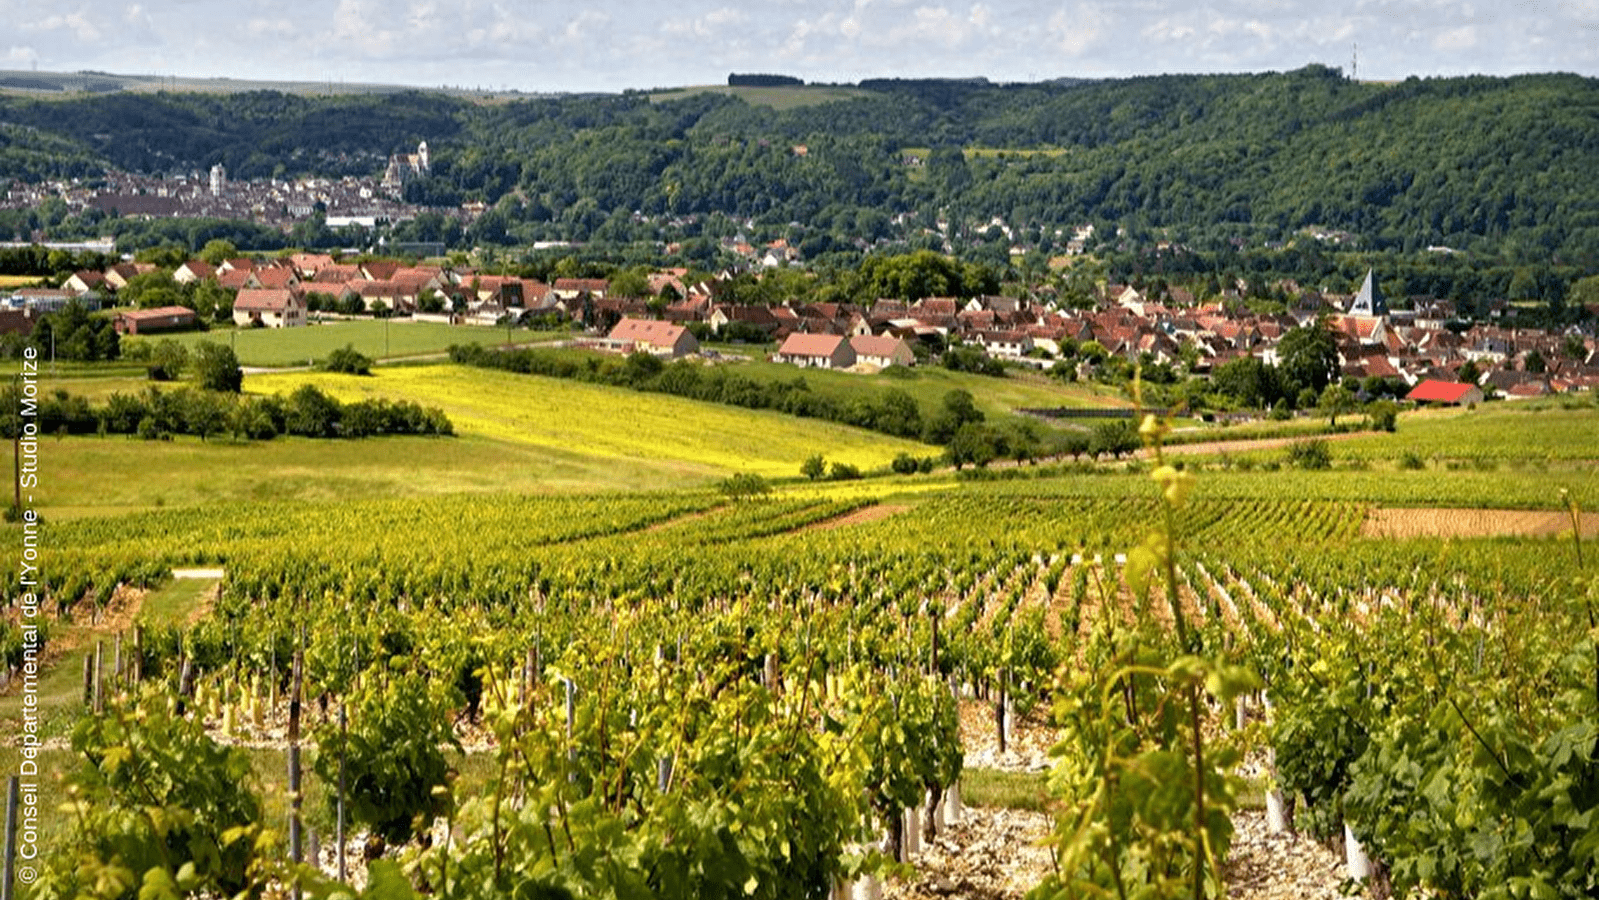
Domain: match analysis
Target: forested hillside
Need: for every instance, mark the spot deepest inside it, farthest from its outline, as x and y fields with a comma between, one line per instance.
x=1501, y=165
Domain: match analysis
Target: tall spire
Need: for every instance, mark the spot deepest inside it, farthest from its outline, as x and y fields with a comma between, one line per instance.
x=1370, y=301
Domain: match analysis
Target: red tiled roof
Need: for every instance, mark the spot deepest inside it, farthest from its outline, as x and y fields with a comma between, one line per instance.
x=266, y=300
x=1440, y=391
x=801, y=344
x=867, y=345
x=160, y=312
x=647, y=331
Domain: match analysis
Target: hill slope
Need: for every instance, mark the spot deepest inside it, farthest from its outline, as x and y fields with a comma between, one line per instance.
x=1494, y=163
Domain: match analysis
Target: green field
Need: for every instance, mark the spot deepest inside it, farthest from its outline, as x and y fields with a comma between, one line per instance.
x=608, y=423
x=1544, y=430
x=378, y=339
x=996, y=397
x=928, y=384
x=778, y=98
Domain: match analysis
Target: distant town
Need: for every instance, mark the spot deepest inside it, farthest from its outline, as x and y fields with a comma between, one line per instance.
x=1376, y=343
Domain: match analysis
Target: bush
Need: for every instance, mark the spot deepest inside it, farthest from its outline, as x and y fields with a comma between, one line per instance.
x=814, y=467
x=217, y=368
x=1310, y=455
x=906, y=464
x=1412, y=461
x=349, y=361
x=1383, y=415
x=843, y=472
x=744, y=484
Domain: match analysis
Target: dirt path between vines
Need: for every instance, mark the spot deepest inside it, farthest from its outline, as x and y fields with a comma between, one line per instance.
x=860, y=516
x=1384, y=522
x=1245, y=445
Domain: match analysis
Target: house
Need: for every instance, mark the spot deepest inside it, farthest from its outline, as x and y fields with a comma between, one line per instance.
x=235, y=279
x=194, y=270
x=308, y=264
x=881, y=352
x=1448, y=393
x=572, y=288
x=84, y=282
x=162, y=318
x=380, y=269
x=372, y=293
x=338, y=274
x=1011, y=344
x=821, y=351
x=272, y=308
x=652, y=336
x=118, y=276
x=272, y=278
x=16, y=321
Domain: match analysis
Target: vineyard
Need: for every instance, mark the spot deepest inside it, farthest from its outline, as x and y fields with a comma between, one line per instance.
x=677, y=694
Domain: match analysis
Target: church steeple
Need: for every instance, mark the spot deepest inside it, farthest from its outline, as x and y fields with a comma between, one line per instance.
x=1370, y=301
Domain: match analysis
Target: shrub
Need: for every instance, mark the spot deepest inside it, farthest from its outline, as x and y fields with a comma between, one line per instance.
x=349, y=361
x=1310, y=455
x=744, y=484
x=1384, y=415
x=843, y=472
x=814, y=467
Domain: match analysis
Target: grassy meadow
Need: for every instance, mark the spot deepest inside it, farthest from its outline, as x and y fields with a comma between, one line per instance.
x=780, y=98
x=378, y=339
x=554, y=415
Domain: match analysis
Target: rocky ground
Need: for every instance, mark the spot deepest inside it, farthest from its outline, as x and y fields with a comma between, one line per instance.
x=997, y=854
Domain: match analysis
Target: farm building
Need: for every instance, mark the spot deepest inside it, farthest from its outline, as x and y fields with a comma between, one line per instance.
x=1448, y=393
x=146, y=321
x=651, y=336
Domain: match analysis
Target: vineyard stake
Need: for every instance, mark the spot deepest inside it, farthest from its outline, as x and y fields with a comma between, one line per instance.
x=99, y=655
x=338, y=821
x=294, y=769
x=571, y=714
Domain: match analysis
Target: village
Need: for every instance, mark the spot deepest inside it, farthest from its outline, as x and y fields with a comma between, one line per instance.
x=1425, y=343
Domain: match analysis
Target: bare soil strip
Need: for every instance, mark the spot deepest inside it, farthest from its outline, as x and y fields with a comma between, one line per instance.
x=1247, y=444
x=858, y=517
x=1411, y=523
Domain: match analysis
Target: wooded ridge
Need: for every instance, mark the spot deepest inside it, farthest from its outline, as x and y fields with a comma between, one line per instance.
x=1501, y=165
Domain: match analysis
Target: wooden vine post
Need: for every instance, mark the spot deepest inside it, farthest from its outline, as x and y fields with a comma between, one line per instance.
x=294, y=765
x=338, y=824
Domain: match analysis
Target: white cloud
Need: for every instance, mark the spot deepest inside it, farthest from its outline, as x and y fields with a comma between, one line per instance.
x=712, y=25
x=21, y=57
x=1456, y=39
x=81, y=24
x=1078, y=30
x=272, y=29
x=357, y=24
x=586, y=23
x=931, y=25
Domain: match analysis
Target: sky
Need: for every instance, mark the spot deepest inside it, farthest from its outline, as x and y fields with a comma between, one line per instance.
x=614, y=45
